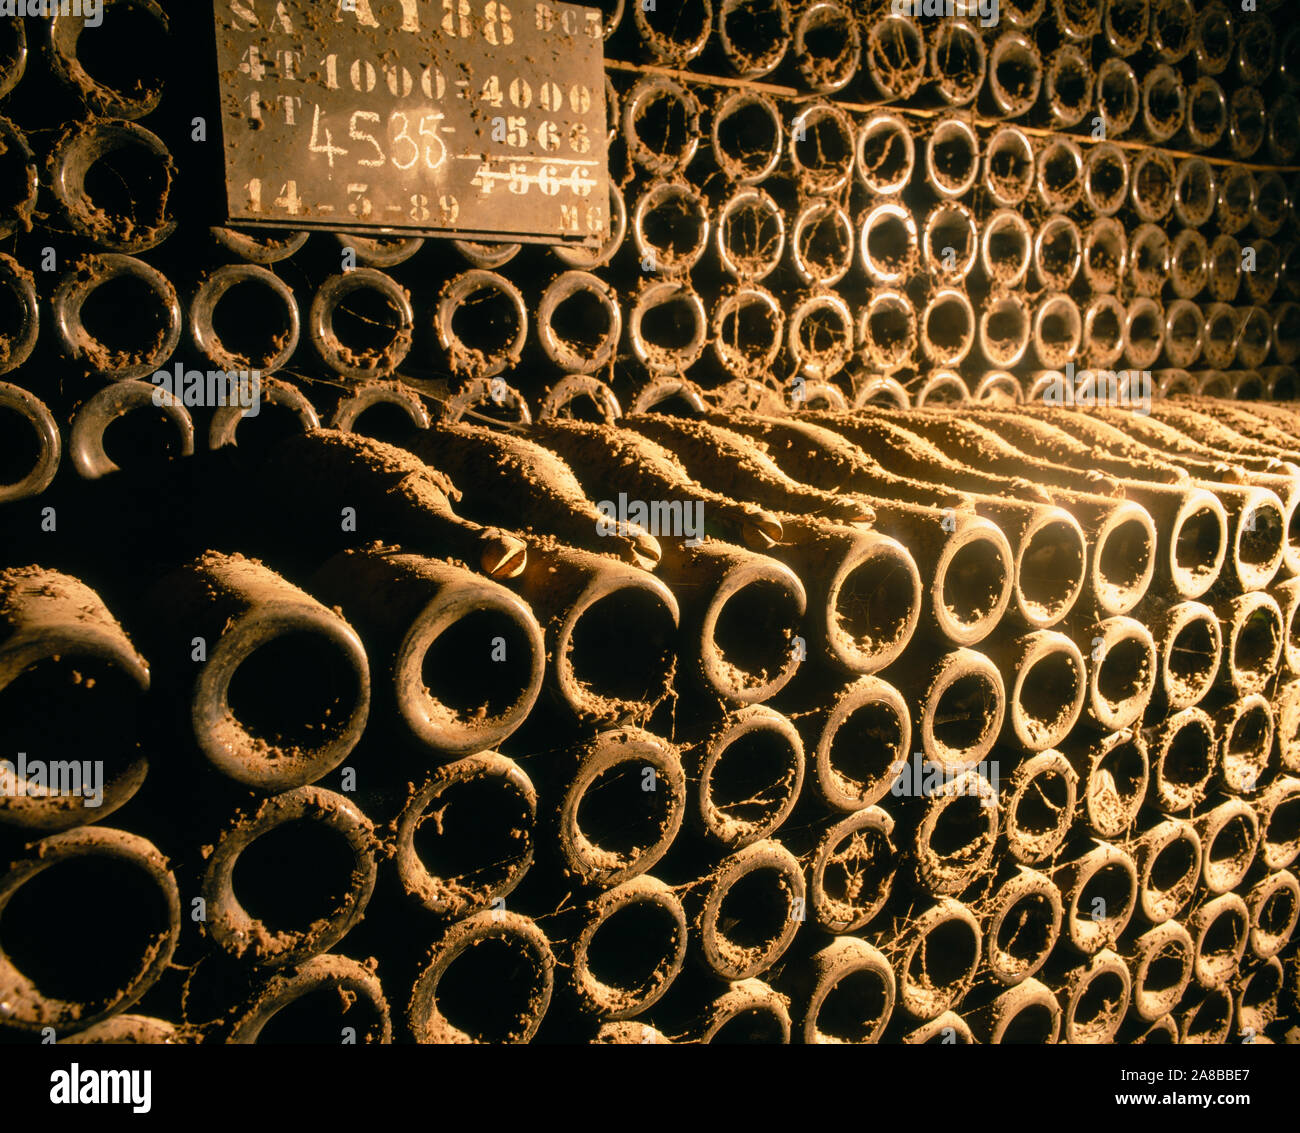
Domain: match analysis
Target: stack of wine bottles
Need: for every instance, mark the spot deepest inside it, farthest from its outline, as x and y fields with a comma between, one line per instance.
x=635, y=644
x=704, y=725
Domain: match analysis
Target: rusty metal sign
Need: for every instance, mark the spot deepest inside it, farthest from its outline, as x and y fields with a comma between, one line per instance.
x=482, y=118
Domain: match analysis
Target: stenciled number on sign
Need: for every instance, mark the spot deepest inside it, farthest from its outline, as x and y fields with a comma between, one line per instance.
x=346, y=118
